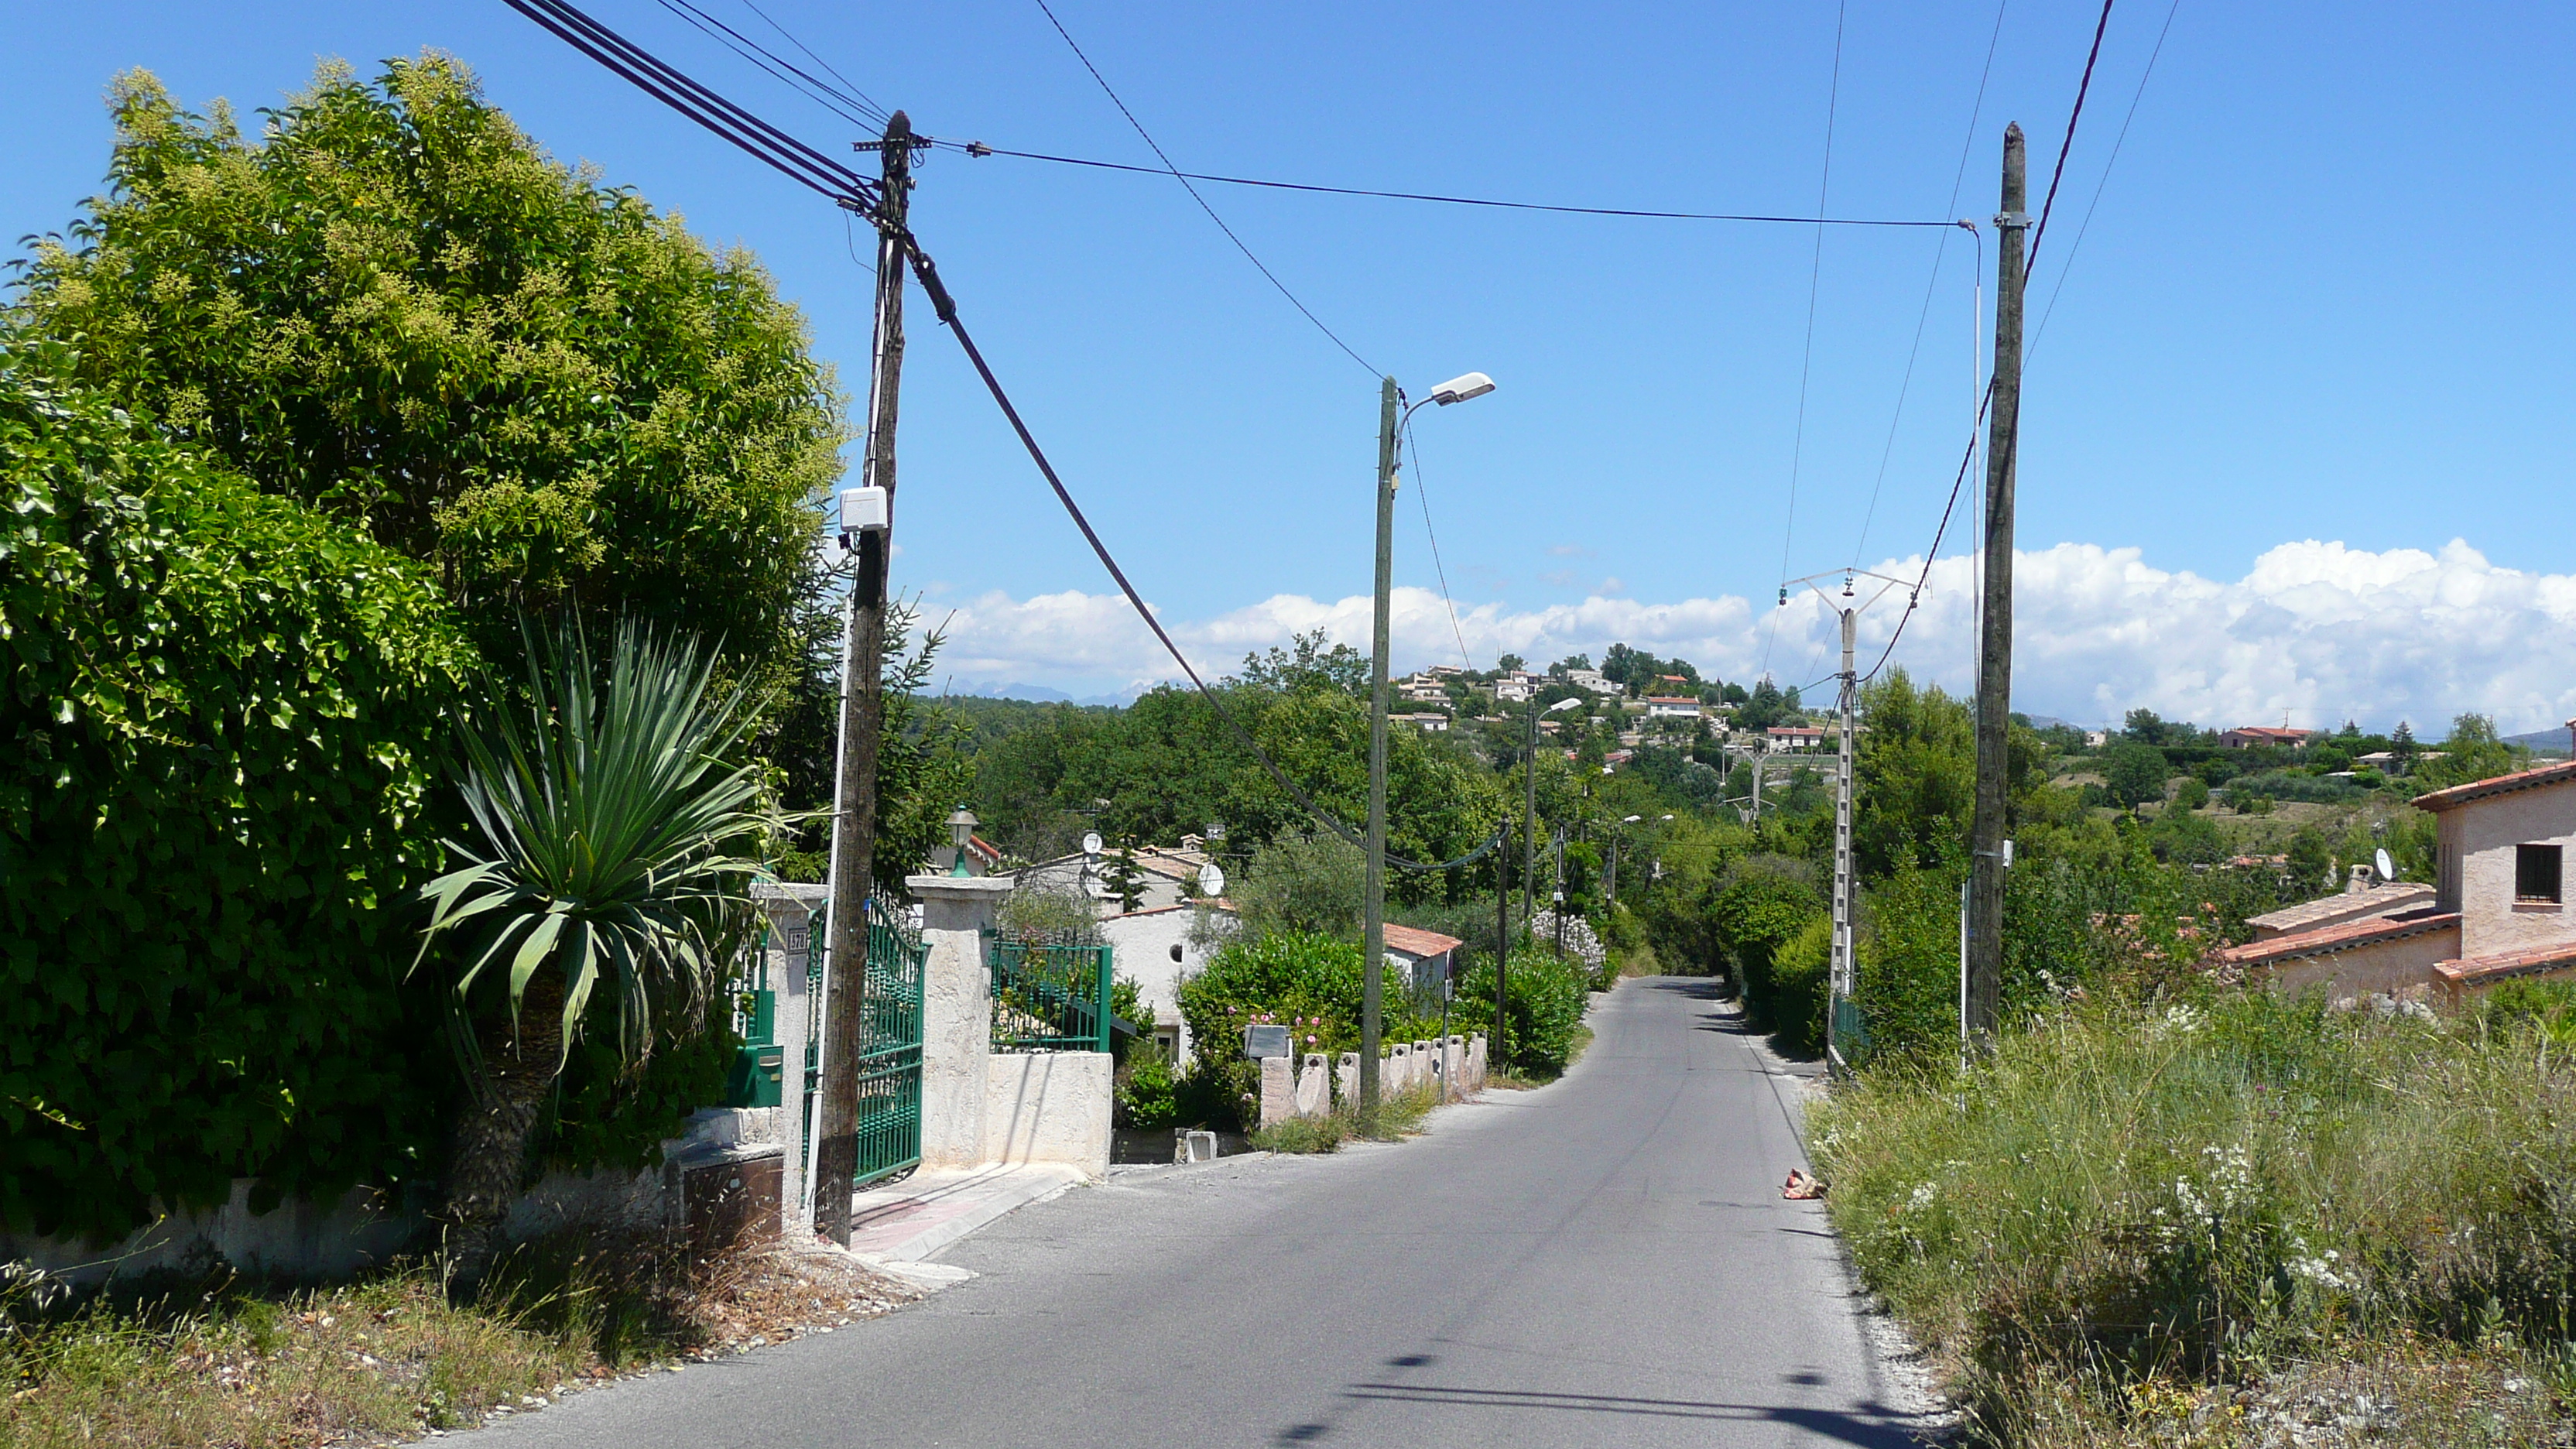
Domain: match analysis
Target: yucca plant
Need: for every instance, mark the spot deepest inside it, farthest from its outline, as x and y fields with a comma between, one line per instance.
x=609, y=851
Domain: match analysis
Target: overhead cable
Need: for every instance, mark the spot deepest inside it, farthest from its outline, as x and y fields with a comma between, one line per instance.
x=2074, y=114
x=978, y=148
x=857, y=109
x=793, y=158
x=946, y=306
x=2077, y=245
x=1176, y=174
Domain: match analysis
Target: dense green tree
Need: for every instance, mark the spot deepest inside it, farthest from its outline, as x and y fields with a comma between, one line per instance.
x=1915, y=777
x=2134, y=772
x=392, y=305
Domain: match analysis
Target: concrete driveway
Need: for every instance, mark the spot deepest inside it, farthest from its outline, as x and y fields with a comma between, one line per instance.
x=1606, y=1261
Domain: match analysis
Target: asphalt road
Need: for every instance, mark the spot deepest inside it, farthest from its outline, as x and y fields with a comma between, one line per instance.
x=1606, y=1261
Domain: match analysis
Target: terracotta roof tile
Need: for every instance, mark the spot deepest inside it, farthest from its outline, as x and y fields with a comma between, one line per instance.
x=2563, y=773
x=2502, y=965
x=1415, y=942
x=2342, y=937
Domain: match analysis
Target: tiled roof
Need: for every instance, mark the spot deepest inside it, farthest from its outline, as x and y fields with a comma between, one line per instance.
x=2503, y=965
x=1415, y=942
x=2563, y=773
x=2386, y=900
x=2344, y=937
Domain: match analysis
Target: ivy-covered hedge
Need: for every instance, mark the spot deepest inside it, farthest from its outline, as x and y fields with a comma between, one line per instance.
x=219, y=712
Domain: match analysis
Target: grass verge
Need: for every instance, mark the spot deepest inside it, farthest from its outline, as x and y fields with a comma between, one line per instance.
x=1399, y=1115
x=2214, y=1221
x=221, y=1359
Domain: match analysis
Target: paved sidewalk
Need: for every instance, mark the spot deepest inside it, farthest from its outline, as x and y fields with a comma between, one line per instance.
x=912, y=1220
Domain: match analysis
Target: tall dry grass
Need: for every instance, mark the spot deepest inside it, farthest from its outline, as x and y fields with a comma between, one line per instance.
x=2206, y=1191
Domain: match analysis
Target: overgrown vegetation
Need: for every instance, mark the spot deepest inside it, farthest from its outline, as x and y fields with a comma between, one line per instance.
x=2138, y=1195
x=183, y=1361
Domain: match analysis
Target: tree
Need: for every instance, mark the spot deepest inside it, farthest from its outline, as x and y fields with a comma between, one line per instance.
x=221, y=713
x=1313, y=662
x=2134, y=773
x=2402, y=745
x=2146, y=727
x=1915, y=777
x=1510, y=664
x=393, y=306
x=1303, y=883
x=608, y=857
x=1122, y=877
x=2311, y=861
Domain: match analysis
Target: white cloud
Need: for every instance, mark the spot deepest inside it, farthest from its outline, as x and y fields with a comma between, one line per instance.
x=2317, y=630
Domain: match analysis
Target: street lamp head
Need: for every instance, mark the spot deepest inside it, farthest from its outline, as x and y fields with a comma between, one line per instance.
x=1459, y=389
x=1633, y=819
x=1562, y=705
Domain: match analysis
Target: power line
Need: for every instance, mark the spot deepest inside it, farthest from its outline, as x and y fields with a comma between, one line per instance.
x=854, y=92
x=1176, y=175
x=772, y=147
x=1439, y=569
x=946, y=307
x=1807, y=353
x=1931, y=284
x=857, y=110
x=979, y=149
x=2077, y=245
x=2074, y=114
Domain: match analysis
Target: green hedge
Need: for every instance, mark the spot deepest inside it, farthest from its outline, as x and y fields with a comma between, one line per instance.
x=220, y=711
x=1545, y=1009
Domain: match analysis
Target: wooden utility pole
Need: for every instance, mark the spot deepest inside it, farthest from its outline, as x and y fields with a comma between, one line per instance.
x=1390, y=418
x=1985, y=944
x=854, y=829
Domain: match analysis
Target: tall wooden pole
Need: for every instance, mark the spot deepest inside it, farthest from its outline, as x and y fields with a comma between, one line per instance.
x=1373, y=907
x=836, y=1157
x=1994, y=649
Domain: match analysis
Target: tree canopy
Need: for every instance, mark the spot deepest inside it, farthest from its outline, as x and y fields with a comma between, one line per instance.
x=393, y=305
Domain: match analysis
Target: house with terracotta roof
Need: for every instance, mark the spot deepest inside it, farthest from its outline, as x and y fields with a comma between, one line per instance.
x=2496, y=912
x=2249, y=736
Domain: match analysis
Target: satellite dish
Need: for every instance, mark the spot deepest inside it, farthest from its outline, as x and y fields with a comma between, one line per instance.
x=1091, y=843
x=1212, y=879
x=2387, y=868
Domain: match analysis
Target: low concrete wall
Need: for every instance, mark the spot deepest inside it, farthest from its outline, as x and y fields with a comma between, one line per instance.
x=366, y=1227
x=1048, y=1107
x=1315, y=1084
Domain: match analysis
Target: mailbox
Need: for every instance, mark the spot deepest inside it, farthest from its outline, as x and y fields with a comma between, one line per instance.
x=757, y=1075
x=1265, y=1041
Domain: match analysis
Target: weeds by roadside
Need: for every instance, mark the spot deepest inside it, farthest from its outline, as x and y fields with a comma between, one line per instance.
x=222, y=1359
x=1399, y=1115
x=2209, y=1221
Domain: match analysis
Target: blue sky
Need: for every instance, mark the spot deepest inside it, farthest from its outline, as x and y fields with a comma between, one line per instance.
x=2323, y=301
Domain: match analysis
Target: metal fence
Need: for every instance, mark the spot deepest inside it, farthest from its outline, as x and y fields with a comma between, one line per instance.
x=1049, y=998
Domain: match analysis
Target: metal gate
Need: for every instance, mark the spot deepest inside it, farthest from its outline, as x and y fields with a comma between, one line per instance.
x=889, y=1120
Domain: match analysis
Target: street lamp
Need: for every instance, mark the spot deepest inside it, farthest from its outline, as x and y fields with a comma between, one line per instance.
x=1392, y=416
x=961, y=833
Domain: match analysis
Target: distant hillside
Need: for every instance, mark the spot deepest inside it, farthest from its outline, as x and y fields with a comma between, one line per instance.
x=2541, y=742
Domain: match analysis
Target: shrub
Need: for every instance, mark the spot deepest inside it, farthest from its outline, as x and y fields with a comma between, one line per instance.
x=1147, y=1089
x=2192, y=794
x=1791, y=1003
x=1908, y=967
x=1765, y=901
x=221, y=710
x=1544, y=1012
x=1307, y=982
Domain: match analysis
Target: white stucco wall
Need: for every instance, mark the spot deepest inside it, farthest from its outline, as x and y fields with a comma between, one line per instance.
x=1142, y=945
x=1048, y=1107
x=956, y=1014
x=2477, y=849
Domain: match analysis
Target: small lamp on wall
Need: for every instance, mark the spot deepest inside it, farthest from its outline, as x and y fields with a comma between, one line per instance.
x=961, y=831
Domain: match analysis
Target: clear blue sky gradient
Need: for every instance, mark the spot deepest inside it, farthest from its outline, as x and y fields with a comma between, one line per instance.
x=2326, y=293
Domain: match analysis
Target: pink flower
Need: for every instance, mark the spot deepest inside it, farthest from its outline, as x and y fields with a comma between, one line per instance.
x=1310, y=1038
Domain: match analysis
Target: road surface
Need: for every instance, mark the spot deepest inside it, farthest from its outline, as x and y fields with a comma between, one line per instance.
x=1606, y=1261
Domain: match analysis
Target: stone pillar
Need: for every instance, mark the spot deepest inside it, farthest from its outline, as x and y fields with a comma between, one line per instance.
x=1315, y=1087
x=1477, y=1064
x=956, y=1013
x=1346, y=1079
x=1278, y=1090
x=789, y=908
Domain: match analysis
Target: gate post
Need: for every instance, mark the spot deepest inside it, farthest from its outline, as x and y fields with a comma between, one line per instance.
x=956, y=1012
x=789, y=909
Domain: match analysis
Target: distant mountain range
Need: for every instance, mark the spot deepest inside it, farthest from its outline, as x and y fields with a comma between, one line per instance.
x=1038, y=693
x=2544, y=741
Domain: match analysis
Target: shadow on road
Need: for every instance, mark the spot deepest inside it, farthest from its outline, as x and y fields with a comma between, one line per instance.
x=1870, y=1424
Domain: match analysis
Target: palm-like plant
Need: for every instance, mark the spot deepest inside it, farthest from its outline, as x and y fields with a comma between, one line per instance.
x=607, y=851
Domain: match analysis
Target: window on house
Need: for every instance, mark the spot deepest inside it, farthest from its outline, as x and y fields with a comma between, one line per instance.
x=2536, y=873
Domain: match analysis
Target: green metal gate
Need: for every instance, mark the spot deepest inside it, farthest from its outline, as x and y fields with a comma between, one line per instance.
x=1049, y=998
x=889, y=1121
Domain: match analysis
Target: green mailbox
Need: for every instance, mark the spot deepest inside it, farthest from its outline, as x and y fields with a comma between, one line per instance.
x=758, y=1070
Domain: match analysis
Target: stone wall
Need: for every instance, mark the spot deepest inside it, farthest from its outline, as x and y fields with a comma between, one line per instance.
x=1314, y=1085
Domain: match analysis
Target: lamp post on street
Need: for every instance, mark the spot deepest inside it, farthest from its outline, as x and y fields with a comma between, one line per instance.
x=1392, y=416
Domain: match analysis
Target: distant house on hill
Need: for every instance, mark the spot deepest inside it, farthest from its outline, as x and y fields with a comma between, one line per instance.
x=1671, y=706
x=1795, y=737
x=2249, y=737
x=2498, y=911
